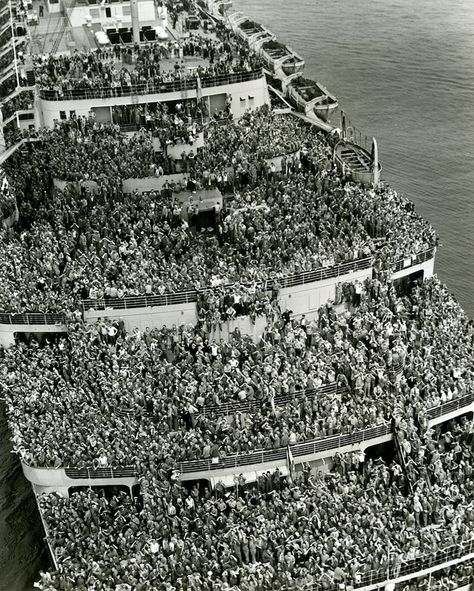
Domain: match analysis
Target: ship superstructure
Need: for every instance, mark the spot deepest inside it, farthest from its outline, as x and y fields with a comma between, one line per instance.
x=175, y=139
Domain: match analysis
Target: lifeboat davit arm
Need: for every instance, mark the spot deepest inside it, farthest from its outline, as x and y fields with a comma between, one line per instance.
x=375, y=163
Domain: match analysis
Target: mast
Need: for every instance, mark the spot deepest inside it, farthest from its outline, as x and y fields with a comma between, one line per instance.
x=135, y=20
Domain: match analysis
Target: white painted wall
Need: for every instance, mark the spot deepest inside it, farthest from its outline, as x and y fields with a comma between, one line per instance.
x=427, y=267
x=301, y=299
x=256, y=88
x=306, y=299
x=81, y=15
x=7, y=331
x=151, y=317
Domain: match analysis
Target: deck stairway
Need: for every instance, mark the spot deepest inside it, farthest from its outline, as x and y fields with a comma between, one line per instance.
x=58, y=37
x=30, y=77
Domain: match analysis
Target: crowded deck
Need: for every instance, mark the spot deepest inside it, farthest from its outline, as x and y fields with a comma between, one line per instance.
x=277, y=223
x=322, y=444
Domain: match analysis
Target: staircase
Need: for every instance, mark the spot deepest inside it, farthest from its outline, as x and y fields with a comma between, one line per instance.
x=30, y=77
x=63, y=24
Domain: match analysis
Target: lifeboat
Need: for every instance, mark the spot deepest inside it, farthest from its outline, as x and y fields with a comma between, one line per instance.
x=362, y=165
x=309, y=97
x=280, y=59
x=249, y=30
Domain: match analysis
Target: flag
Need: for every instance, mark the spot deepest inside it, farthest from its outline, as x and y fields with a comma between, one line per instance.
x=290, y=461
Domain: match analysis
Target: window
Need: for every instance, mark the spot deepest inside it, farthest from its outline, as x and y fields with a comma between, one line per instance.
x=108, y=12
x=126, y=10
x=62, y=115
x=72, y=114
x=95, y=13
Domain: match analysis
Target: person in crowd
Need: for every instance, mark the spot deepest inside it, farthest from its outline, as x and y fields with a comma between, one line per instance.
x=87, y=242
x=406, y=354
x=329, y=531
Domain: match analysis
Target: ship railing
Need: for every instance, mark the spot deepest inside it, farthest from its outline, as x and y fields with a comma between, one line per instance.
x=456, y=553
x=230, y=408
x=298, y=450
x=101, y=473
x=415, y=259
x=246, y=406
x=324, y=273
x=185, y=297
x=233, y=461
x=33, y=318
x=323, y=444
x=304, y=448
x=339, y=441
x=145, y=88
x=146, y=301
x=449, y=407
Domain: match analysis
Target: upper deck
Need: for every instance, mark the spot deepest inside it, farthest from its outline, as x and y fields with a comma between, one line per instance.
x=86, y=56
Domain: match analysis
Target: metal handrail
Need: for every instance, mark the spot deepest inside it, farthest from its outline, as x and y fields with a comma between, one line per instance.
x=104, y=472
x=149, y=87
x=184, y=297
x=32, y=318
x=417, y=259
x=411, y=567
x=229, y=408
x=146, y=301
x=190, y=296
x=330, y=442
x=298, y=450
x=452, y=405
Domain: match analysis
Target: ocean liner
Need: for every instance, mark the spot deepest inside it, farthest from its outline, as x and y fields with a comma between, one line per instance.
x=220, y=329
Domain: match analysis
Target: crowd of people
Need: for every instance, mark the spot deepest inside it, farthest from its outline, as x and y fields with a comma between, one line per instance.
x=447, y=579
x=7, y=199
x=6, y=59
x=101, y=397
x=171, y=128
x=313, y=530
x=22, y=101
x=100, y=241
x=76, y=400
x=120, y=66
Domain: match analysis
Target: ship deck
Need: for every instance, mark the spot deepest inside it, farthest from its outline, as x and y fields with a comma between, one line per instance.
x=53, y=33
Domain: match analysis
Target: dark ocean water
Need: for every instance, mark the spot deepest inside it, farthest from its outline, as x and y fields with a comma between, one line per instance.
x=22, y=551
x=404, y=72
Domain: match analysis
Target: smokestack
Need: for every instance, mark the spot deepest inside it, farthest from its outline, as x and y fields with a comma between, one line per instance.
x=135, y=21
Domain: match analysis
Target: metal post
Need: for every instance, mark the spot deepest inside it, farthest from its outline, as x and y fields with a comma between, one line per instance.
x=135, y=21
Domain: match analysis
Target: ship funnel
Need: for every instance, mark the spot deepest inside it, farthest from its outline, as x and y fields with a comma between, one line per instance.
x=135, y=21
x=375, y=163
